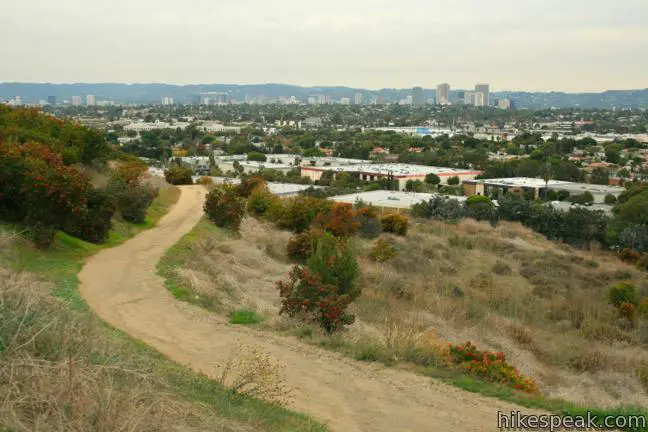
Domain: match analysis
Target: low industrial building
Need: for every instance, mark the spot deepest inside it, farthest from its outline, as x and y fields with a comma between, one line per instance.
x=279, y=189
x=537, y=187
x=331, y=161
x=390, y=200
x=402, y=173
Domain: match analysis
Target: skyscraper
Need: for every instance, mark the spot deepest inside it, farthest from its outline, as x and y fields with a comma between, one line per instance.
x=485, y=89
x=167, y=100
x=357, y=97
x=443, y=94
x=51, y=100
x=417, y=96
x=76, y=100
x=480, y=99
x=91, y=100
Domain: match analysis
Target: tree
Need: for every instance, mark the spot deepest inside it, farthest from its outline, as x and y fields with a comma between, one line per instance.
x=414, y=186
x=599, y=176
x=612, y=156
x=256, y=157
x=224, y=207
x=454, y=180
x=432, y=179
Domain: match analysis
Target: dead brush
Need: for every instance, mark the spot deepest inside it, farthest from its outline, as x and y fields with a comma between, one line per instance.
x=401, y=329
x=252, y=372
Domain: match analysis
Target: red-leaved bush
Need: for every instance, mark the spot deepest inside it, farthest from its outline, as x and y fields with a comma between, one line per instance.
x=304, y=293
x=38, y=189
x=340, y=220
x=489, y=366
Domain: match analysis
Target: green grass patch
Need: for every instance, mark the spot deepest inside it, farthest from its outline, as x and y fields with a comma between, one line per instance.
x=246, y=317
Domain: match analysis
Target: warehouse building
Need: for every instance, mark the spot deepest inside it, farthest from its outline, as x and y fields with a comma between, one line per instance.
x=402, y=173
x=537, y=187
x=390, y=200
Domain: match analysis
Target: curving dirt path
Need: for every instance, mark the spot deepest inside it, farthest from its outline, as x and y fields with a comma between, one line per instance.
x=120, y=284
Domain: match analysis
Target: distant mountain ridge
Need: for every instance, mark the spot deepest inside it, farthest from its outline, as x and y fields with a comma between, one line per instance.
x=153, y=93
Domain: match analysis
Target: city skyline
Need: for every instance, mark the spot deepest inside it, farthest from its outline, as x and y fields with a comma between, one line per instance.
x=589, y=46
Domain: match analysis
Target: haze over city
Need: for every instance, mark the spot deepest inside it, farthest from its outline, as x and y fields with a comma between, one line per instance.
x=572, y=46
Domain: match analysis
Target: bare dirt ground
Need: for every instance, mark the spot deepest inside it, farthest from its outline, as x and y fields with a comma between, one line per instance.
x=121, y=285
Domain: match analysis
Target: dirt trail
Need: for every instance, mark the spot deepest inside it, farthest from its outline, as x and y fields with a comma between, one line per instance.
x=120, y=284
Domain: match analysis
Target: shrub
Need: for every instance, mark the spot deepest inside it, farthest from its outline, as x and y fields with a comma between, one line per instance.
x=630, y=256
x=623, y=292
x=95, y=224
x=261, y=201
x=610, y=199
x=177, y=175
x=453, y=181
x=489, y=366
x=132, y=199
x=249, y=184
x=382, y=251
x=298, y=213
x=256, y=157
x=369, y=225
x=205, y=181
x=440, y=208
x=301, y=246
x=224, y=207
x=478, y=199
x=395, y=224
x=38, y=189
x=334, y=260
x=305, y=294
x=339, y=221
x=642, y=263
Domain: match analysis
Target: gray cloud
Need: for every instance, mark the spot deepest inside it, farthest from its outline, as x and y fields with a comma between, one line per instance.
x=573, y=45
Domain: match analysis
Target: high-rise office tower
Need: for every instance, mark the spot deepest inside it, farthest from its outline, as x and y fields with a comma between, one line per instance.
x=91, y=100
x=443, y=94
x=417, y=96
x=485, y=89
x=51, y=100
x=357, y=97
x=480, y=99
x=76, y=100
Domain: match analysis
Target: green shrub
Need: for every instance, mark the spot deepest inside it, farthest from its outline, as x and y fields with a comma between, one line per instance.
x=335, y=261
x=249, y=184
x=610, y=199
x=302, y=245
x=177, y=175
x=298, y=213
x=395, y=224
x=245, y=317
x=382, y=251
x=623, y=292
x=224, y=207
x=453, y=181
x=477, y=199
x=261, y=201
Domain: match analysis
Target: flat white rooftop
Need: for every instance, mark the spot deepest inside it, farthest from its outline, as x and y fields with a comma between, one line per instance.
x=393, y=199
x=553, y=184
x=274, y=188
x=397, y=169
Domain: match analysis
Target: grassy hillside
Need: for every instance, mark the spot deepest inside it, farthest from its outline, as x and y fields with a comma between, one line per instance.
x=506, y=289
x=63, y=369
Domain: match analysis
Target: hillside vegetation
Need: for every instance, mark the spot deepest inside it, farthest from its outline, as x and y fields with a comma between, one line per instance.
x=61, y=368
x=541, y=310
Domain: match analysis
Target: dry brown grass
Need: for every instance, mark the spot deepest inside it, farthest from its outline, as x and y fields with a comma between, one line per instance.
x=505, y=288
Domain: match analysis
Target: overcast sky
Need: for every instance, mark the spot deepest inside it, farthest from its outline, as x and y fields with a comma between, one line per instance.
x=537, y=45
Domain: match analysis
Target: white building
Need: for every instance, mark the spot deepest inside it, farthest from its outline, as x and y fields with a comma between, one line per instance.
x=145, y=127
x=167, y=101
x=384, y=200
x=401, y=173
x=504, y=104
x=212, y=127
x=91, y=100
x=479, y=100
x=357, y=98
x=76, y=100
x=345, y=101
x=443, y=94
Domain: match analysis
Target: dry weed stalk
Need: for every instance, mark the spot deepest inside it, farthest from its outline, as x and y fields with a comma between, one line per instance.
x=401, y=331
x=252, y=372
